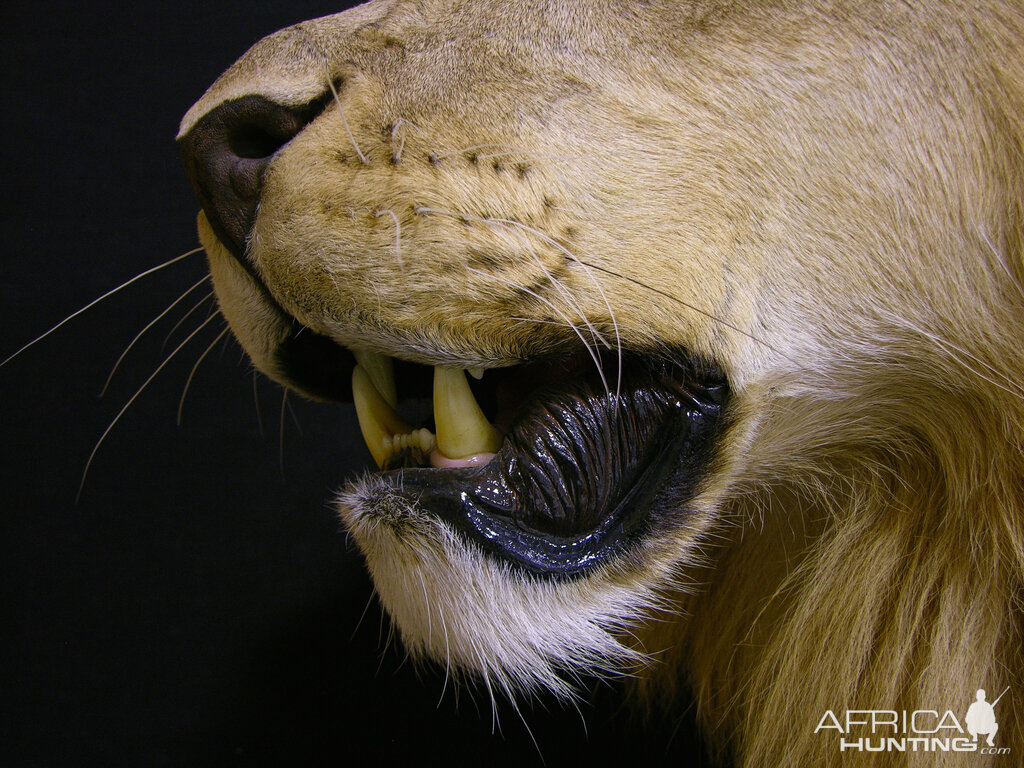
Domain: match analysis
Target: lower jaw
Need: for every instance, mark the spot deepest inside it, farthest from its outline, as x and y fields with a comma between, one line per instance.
x=468, y=611
x=581, y=476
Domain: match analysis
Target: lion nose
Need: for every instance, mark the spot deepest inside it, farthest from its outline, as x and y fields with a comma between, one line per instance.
x=226, y=154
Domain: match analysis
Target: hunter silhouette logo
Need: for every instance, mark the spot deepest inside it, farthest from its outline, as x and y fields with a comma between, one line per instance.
x=920, y=730
x=981, y=717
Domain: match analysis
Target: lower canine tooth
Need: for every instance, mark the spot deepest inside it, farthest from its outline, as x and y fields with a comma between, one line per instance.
x=462, y=429
x=377, y=419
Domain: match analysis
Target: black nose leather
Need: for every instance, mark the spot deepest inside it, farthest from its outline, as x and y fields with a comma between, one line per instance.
x=226, y=154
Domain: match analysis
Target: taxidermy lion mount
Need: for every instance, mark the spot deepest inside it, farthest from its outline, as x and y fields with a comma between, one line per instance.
x=720, y=310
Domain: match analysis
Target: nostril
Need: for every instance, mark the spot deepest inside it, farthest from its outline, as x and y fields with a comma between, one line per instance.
x=227, y=153
x=254, y=142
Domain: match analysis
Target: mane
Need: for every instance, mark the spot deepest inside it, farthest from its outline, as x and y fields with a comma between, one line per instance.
x=884, y=483
x=886, y=570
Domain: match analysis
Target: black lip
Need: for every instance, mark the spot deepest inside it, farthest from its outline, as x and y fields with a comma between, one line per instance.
x=578, y=482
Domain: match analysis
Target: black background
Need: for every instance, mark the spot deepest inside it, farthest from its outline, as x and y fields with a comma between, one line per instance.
x=199, y=604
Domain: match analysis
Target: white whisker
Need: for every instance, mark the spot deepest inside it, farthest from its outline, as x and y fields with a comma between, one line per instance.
x=400, y=124
x=956, y=353
x=280, y=432
x=1002, y=262
x=593, y=330
x=426, y=607
x=691, y=307
x=183, y=318
x=188, y=381
x=149, y=325
x=256, y=400
x=569, y=324
x=341, y=111
x=295, y=418
x=397, y=154
x=447, y=655
x=505, y=224
x=604, y=297
x=539, y=321
x=224, y=348
x=526, y=725
x=362, y=616
x=566, y=294
x=96, y=301
x=131, y=400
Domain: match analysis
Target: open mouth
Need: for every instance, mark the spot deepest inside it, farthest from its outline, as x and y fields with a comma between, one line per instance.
x=555, y=465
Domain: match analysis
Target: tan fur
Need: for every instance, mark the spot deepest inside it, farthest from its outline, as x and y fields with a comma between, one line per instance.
x=825, y=198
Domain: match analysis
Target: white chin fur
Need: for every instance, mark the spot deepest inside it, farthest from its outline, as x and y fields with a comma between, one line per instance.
x=517, y=632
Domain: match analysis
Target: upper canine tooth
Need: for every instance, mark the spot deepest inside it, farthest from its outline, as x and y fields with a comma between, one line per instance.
x=462, y=429
x=381, y=371
x=377, y=419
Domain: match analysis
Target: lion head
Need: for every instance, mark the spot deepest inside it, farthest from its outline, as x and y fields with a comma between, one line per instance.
x=686, y=337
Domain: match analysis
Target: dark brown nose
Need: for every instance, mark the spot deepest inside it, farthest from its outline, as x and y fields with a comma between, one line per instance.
x=226, y=154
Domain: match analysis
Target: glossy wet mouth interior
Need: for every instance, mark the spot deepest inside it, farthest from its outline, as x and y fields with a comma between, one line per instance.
x=555, y=465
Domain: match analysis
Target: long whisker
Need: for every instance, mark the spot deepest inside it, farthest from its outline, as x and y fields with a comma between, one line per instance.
x=397, y=154
x=149, y=325
x=400, y=124
x=529, y=321
x=604, y=297
x=192, y=373
x=341, y=111
x=566, y=294
x=691, y=307
x=956, y=353
x=256, y=400
x=558, y=286
x=426, y=605
x=569, y=324
x=362, y=616
x=508, y=224
x=286, y=407
x=526, y=725
x=295, y=418
x=447, y=654
x=280, y=432
x=538, y=321
x=131, y=400
x=1001, y=261
x=183, y=318
x=94, y=302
